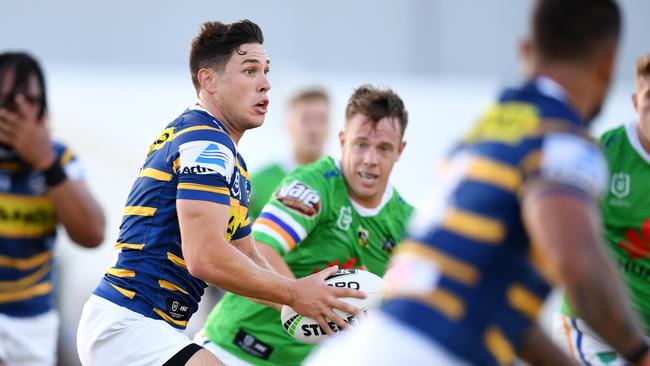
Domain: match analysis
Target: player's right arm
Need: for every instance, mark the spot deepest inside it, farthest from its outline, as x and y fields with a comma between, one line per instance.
x=274, y=259
x=211, y=258
x=537, y=349
x=561, y=215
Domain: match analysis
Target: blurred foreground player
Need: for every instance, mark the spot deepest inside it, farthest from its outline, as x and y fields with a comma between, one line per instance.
x=41, y=185
x=626, y=215
x=186, y=220
x=518, y=208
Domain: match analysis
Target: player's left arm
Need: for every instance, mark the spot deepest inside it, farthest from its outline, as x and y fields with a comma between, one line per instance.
x=79, y=212
x=537, y=349
x=265, y=257
x=75, y=207
x=561, y=215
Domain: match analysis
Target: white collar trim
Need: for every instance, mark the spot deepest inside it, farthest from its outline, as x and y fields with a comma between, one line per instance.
x=632, y=130
x=551, y=88
x=365, y=211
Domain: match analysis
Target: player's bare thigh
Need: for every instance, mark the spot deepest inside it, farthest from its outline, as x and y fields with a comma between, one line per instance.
x=202, y=357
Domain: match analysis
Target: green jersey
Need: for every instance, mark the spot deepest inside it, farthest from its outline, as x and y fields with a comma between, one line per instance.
x=313, y=223
x=626, y=214
x=263, y=184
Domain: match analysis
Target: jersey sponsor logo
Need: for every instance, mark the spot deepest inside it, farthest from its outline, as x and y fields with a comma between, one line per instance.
x=508, y=122
x=212, y=155
x=634, y=268
x=253, y=346
x=206, y=157
x=25, y=216
x=388, y=245
x=197, y=169
x=161, y=140
x=345, y=218
x=300, y=198
x=178, y=310
x=637, y=245
x=363, y=237
x=620, y=185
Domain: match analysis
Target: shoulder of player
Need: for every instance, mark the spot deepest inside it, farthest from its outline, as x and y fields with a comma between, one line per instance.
x=400, y=203
x=319, y=173
x=198, y=127
x=612, y=135
x=314, y=177
x=574, y=160
x=62, y=151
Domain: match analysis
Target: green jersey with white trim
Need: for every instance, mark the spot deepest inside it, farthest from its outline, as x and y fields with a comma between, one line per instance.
x=263, y=184
x=626, y=214
x=314, y=224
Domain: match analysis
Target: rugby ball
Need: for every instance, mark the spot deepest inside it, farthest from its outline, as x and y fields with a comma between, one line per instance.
x=308, y=331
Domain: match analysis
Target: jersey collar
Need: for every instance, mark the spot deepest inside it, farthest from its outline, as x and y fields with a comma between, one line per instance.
x=198, y=107
x=551, y=88
x=632, y=131
x=364, y=211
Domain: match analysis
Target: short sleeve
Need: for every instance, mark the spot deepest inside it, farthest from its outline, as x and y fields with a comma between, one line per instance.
x=292, y=212
x=204, y=165
x=572, y=161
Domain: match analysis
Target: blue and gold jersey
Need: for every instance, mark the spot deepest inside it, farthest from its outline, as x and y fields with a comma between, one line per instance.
x=468, y=277
x=27, y=234
x=194, y=158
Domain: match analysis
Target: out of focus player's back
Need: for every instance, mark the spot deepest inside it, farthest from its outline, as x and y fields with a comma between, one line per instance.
x=519, y=189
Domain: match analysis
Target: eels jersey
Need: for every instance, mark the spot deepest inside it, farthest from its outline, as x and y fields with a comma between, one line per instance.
x=626, y=214
x=314, y=224
x=468, y=277
x=195, y=159
x=27, y=234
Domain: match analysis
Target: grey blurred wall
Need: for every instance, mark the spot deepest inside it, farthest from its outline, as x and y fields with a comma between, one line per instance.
x=468, y=37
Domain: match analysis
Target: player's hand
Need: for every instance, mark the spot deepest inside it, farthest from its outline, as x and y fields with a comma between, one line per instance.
x=28, y=135
x=312, y=297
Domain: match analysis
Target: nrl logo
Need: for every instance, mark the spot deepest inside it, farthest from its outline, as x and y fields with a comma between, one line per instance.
x=299, y=197
x=620, y=185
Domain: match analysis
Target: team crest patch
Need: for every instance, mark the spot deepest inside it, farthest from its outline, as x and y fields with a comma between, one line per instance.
x=620, y=185
x=363, y=237
x=300, y=198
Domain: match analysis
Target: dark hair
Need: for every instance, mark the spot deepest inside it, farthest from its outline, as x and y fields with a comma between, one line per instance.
x=315, y=93
x=643, y=66
x=216, y=43
x=574, y=29
x=377, y=104
x=23, y=66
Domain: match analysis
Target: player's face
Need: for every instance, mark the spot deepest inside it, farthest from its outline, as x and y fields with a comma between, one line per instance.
x=31, y=90
x=241, y=93
x=369, y=152
x=309, y=126
x=641, y=99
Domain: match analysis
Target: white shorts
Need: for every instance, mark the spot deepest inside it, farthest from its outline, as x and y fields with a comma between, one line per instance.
x=110, y=334
x=224, y=356
x=29, y=341
x=576, y=338
x=379, y=341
